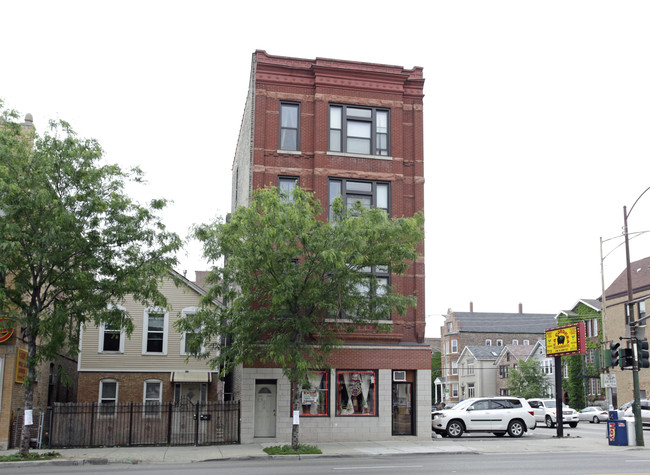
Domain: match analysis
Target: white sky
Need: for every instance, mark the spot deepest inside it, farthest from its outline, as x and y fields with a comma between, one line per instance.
x=537, y=118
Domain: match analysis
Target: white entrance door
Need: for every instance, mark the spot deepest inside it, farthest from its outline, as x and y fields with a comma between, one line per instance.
x=265, y=400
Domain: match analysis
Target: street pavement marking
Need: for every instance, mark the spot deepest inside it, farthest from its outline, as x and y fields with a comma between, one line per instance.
x=379, y=467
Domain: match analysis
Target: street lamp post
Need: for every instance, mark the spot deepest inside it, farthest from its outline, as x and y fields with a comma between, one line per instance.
x=634, y=327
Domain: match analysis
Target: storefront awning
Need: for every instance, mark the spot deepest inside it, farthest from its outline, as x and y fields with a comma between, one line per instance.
x=191, y=377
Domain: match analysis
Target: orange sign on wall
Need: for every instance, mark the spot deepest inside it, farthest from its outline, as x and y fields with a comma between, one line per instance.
x=21, y=365
x=5, y=331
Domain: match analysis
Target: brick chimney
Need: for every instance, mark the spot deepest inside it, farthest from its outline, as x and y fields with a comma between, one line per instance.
x=521, y=308
x=471, y=306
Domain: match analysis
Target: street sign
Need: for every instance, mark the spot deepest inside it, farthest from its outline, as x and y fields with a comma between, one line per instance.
x=608, y=380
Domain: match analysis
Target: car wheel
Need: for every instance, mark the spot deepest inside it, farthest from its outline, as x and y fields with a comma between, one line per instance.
x=455, y=429
x=596, y=420
x=516, y=428
x=573, y=424
x=499, y=434
x=549, y=422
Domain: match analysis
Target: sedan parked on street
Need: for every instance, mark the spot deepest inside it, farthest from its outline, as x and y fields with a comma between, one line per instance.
x=593, y=414
x=490, y=414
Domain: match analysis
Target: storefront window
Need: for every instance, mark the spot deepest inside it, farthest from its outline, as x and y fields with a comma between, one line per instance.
x=313, y=401
x=356, y=393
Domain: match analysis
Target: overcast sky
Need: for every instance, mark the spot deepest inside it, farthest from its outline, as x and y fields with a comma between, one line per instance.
x=537, y=118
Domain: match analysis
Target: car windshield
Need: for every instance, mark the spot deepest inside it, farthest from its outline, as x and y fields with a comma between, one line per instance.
x=550, y=404
x=464, y=404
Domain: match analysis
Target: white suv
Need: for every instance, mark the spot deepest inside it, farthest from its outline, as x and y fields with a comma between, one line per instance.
x=490, y=414
x=545, y=412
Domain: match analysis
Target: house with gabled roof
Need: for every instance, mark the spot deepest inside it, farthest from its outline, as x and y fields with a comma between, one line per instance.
x=461, y=329
x=509, y=358
x=477, y=373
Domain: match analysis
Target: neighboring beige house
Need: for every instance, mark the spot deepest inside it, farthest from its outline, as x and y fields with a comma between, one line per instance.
x=151, y=365
x=616, y=321
x=477, y=373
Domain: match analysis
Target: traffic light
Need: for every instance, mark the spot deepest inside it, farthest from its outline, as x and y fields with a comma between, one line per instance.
x=614, y=349
x=644, y=355
x=627, y=357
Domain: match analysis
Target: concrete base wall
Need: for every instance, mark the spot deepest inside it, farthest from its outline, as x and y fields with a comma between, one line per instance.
x=334, y=428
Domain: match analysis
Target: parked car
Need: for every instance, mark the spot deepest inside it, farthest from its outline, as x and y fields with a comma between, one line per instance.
x=490, y=414
x=545, y=412
x=593, y=414
x=645, y=410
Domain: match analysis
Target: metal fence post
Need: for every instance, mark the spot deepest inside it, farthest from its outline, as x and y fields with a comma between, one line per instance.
x=169, y=423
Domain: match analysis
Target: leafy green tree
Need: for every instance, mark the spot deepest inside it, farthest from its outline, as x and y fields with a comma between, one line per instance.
x=575, y=384
x=72, y=241
x=528, y=380
x=294, y=283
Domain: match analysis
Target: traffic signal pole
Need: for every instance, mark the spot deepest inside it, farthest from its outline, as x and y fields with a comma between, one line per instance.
x=636, y=405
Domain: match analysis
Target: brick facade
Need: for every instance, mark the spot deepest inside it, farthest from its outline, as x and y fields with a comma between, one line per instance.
x=315, y=85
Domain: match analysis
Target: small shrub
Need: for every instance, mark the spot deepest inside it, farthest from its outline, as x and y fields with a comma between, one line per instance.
x=18, y=457
x=288, y=450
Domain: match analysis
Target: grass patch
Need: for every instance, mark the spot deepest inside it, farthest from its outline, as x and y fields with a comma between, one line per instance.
x=288, y=450
x=31, y=456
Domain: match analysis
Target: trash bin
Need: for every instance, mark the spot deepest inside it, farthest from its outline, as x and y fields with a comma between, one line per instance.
x=617, y=430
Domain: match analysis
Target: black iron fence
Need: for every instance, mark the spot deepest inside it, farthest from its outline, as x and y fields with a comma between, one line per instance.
x=133, y=424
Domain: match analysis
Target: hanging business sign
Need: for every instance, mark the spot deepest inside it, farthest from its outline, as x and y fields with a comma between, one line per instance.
x=566, y=340
x=21, y=365
x=6, y=329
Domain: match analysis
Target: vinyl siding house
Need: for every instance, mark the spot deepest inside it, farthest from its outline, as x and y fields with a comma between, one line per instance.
x=151, y=365
x=477, y=373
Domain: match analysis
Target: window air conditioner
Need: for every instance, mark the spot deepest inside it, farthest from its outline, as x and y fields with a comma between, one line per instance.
x=399, y=375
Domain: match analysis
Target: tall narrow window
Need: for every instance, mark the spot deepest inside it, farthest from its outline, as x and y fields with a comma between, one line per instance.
x=152, y=397
x=289, y=126
x=287, y=184
x=154, y=334
x=107, y=397
x=359, y=130
x=191, y=342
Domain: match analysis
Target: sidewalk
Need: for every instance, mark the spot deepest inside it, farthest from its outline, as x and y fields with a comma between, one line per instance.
x=133, y=455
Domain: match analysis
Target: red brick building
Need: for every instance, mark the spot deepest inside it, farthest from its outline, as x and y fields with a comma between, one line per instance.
x=352, y=129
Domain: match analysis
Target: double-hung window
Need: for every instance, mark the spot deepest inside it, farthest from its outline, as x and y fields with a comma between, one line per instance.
x=154, y=332
x=286, y=185
x=454, y=346
x=369, y=194
x=289, y=126
x=111, y=336
x=361, y=130
x=152, y=397
x=191, y=342
x=107, y=397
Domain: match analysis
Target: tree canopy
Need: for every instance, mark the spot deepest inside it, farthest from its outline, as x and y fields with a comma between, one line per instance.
x=294, y=283
x=528, y=380
x=72, y=241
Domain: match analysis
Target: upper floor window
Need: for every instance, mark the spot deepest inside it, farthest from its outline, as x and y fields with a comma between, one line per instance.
x=362, y=130
x=515, y=342
x=369, y=194
x=526, y=342
x=111, y=336
x=454, y=346
x=154, y=332
x=470, y=368
x=287, y=184
x=289, y=126
x=488, y=342
x=499, y=342
x=191, y=342
x=107, y=397
x=454, y=367
x=152, y=397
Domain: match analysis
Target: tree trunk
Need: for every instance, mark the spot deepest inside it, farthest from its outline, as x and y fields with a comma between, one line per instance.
x=295, y=431
x=29, y=391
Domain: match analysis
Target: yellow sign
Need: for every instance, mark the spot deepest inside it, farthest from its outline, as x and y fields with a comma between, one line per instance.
x=563, y=340
x=21, y=365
